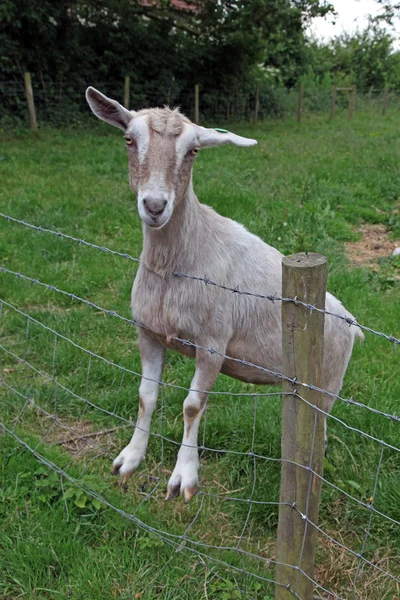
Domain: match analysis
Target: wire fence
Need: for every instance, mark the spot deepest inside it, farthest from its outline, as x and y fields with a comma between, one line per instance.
x=47, y=406
x=62, y=104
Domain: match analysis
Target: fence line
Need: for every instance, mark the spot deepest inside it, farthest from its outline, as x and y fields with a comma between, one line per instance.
x=186, y=342
x=202, y=447
x=175, y=386
x=206, y=280
x=303, y=516
x=65, y=103
x=182, y=542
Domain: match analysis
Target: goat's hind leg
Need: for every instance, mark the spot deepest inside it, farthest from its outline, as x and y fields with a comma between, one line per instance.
x=184, y=478
x=152, y=356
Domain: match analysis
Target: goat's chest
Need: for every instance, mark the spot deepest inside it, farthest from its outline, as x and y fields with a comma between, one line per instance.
x=168, y=305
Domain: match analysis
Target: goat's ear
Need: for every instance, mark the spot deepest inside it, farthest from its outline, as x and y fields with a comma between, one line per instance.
x=108, y=110
x=216, y=137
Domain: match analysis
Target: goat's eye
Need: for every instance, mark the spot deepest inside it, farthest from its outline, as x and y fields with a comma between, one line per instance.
x=194, y=151
x=129, y=140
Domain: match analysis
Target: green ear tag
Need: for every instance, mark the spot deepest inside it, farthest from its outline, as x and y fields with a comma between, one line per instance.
x=221, y=130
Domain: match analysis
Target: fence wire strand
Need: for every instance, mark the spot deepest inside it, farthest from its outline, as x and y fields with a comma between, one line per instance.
x=185, y=342
x=207, y=281
x=186, y=542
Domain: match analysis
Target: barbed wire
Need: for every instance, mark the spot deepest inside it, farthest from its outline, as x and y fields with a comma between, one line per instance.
x=168, y=538
x=303, y=516
x=185, y=342
x=173, y=538
x=207, y=281
x=202, y=447
x=182, y=542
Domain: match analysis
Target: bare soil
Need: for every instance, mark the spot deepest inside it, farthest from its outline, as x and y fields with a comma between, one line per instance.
x=374, y=244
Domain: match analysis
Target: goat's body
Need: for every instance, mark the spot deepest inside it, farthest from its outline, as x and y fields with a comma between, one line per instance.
x=240, y=326
x=183, y=236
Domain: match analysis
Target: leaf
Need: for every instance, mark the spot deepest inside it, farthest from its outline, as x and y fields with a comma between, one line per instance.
x=354, y=485
x=80, y=502
x=328, y=467
x=70, y=492
x=96, y=503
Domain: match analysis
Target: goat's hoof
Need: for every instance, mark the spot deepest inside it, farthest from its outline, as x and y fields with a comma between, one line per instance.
x=189, y=492
x=126, y=464
x=173, y=491
x=115, y=469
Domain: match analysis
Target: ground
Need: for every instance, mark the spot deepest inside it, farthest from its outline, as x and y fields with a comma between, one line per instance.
x=316, y=187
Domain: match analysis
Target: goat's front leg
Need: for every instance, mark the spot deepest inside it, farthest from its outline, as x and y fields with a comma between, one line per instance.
x=152, y=356
x=184, y=477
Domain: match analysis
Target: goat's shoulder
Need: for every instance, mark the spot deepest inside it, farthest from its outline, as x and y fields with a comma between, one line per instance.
x=235, y=238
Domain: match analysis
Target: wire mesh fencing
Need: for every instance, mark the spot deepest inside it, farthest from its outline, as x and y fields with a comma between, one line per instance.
x=71, y=405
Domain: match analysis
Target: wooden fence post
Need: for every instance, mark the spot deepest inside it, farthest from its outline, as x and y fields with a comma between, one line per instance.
x=333, y=104
x=30, y=100
x=127, y=85
x=196, y=104
x=352, y=101
x=300, y=104
x=257, y=104
x=304, y=277
x=385, y=101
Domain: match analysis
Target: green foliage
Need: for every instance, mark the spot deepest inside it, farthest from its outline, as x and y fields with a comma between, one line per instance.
x=50, y=488
x=216, y=44
x=365, y=58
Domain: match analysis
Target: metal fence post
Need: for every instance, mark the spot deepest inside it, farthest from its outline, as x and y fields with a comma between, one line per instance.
x=30, y=100
x=304, y=277
x=127, y=84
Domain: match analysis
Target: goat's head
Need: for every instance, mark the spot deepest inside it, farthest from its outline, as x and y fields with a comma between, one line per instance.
x=162, y=145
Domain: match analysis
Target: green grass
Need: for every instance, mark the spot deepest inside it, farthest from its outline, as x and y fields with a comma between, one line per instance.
x=301, y=188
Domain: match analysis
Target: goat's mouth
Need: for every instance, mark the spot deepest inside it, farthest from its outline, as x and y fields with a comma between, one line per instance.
x=158, y=222
x=155, y=220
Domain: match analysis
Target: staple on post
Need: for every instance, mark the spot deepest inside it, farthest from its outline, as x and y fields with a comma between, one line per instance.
x=304, y=277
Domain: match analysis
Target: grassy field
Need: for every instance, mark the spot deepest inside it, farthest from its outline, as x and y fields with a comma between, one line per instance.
x=302, y=188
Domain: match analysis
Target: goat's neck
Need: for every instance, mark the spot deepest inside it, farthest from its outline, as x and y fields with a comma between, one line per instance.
x=174, y=247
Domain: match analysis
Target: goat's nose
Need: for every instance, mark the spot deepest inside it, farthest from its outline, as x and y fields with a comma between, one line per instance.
x=154, y=207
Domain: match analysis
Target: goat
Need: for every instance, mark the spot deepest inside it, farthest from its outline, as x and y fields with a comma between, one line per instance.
x=182, y=235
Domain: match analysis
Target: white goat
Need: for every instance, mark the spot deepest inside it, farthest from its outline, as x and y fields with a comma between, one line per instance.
x=182, y=235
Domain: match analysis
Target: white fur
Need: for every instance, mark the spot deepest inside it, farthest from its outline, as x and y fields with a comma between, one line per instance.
x=196, y=240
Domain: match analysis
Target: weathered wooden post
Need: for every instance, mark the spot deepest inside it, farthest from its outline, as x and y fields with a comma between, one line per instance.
x=304, y=278
x=196, y=103
x=127, y=85
x=300, y=104
x=352, y=101
x=333, y=104
x=385, y=101
x=30, y=100
x=257, y=104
